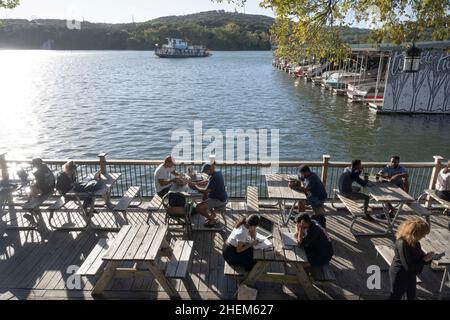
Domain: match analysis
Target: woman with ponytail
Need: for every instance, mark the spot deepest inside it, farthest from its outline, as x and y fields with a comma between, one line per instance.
x=239, y=247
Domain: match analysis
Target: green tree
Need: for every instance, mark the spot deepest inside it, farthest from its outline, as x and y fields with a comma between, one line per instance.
x=9, y=4
x=312, y=26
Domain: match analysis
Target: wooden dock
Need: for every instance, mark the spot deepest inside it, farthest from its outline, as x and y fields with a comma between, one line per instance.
x=35, y=266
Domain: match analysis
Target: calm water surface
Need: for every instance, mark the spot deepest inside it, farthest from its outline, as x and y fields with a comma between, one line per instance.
x=76, y=104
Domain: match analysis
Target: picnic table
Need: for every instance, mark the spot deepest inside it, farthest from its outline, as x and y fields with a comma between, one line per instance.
x=291, y=256
x=388, y=193
x=278, y=189
x=73, y=201
x=438, y=241
x=141, y=246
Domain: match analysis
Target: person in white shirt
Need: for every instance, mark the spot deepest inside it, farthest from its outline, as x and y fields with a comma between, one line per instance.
x=239, y=246
x=163, y=176
x=443, y=185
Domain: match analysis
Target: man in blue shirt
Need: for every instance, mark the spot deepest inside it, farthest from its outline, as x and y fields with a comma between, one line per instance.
x=346, y=188
x=215, y=194
x=395, y=173
x=316, y=195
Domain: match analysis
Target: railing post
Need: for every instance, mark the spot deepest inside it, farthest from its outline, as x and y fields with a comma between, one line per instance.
x=102, y=158
x=4, y=167
x=434, y=175
x=325, y=164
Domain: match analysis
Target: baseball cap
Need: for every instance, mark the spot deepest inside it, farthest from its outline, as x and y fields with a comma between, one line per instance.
x=206, y=167
x=169, y=158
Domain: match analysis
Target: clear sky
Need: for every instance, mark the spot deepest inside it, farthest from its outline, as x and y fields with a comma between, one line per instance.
x=113, y=11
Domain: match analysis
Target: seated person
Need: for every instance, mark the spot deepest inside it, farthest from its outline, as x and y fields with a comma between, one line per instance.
x=346, y=188
x=314, y=240
x=163, y=176
x=66, y=180
x=396, y=174
x=44, y=183
x=314, y=190
x=443, y=185
x=239, y=246
x=214, y=193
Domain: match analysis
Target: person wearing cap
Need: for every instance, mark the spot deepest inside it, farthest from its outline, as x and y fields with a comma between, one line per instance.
x=66, y=180
x=215, y=194
x=44, y=179
x=163, y=176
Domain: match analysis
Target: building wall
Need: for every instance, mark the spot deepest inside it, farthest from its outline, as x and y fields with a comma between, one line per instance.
x=427, y=91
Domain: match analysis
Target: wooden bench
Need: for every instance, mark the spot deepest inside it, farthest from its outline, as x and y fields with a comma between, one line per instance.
x=323, y=274
x=62, y=205
x=92, y=264
x=252, y=200
x=125, y=202
x=155, y=204
x=8, y=296
x=420, y=210
x=181, y=258
x=387, y=253
x=35, y=203
x=234, y=271
x=356, y=212
x=432, y=194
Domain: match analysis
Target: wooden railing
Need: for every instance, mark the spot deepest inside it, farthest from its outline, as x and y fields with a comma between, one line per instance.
x=238, y=175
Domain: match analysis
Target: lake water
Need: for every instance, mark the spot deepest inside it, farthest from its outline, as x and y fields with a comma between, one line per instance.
x=76, y=104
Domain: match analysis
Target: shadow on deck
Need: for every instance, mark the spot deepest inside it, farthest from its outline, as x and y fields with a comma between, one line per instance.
x=34, y=266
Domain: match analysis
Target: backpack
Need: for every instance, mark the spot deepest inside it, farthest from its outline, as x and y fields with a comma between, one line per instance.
x=88, y=186
x=176, y=200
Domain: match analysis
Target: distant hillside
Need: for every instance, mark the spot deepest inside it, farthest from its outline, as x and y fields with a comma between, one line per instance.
x=218, y=30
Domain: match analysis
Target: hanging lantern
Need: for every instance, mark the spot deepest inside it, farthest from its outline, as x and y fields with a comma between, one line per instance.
x=412, y=60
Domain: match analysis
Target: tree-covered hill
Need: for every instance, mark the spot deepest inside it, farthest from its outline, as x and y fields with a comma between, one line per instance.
x=217, y=30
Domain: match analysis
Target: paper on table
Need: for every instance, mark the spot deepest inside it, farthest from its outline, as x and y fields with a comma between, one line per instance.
x=288, y=240
x=264, y=244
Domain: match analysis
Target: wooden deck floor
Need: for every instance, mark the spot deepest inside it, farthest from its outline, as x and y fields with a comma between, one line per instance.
x=34, y=266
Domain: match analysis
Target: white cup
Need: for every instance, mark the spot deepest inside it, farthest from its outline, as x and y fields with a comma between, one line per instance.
x=212, y=158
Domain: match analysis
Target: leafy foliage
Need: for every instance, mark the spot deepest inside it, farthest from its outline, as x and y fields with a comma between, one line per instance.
x=311, y=27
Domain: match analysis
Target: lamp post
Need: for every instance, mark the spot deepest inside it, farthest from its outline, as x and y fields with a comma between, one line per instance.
x=412, y=60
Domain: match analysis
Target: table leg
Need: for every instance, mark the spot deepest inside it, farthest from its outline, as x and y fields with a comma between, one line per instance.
x=105, y=278
x=444, y=277
x=256, y=272
x=292, y=211
x=305, y=282
x=391, y=223
x=163, y=281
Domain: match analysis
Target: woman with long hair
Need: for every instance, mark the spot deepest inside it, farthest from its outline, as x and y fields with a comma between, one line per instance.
x=409, y=258
x=239, y=246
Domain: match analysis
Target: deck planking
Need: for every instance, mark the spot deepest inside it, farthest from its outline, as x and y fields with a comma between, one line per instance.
x=34, y=266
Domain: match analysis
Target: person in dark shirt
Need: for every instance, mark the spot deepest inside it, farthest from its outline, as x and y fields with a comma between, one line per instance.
x=215, y=194
x=66, y=180
x=409, y=258
x=44, y=179
x=314, y=240
x=346, y=188
x=314, y=189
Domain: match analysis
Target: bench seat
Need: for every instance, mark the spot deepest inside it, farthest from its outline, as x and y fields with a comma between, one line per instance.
x=387, y=253
x=433, y=194
x=92, y=264
x=179, y=263
x=127, y=198
x=323, y=274
x=252, y=200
